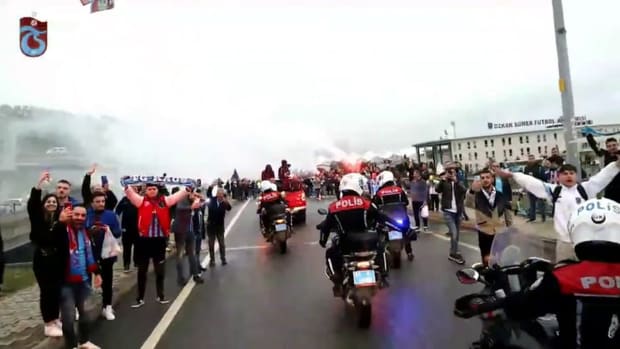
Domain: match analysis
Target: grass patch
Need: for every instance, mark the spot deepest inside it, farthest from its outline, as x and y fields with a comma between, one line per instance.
x=17, y=278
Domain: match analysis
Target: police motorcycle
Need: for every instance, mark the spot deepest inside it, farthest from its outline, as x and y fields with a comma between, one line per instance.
x=279, y=229
x=511, y=269
x=394, y=224
x=361, y=273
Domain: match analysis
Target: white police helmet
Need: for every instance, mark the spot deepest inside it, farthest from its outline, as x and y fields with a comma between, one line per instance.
x=265, y=185
x=384, y=177
x=595, y=220
x=353, y=181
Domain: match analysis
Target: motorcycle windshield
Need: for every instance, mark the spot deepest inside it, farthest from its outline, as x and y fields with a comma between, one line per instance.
x=512, y=246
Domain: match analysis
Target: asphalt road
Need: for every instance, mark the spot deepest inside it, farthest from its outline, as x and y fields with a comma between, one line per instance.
x=262, y=299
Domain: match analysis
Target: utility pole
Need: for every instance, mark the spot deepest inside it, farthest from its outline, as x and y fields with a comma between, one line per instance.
x=566, y=87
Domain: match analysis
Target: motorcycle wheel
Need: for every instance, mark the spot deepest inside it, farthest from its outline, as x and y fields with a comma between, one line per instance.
x=364, y=315
x=395, y=260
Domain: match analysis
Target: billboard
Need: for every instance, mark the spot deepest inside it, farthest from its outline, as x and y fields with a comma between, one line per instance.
x=579, y=121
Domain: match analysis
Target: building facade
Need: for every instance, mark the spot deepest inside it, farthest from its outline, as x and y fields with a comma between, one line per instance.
x=474, y=152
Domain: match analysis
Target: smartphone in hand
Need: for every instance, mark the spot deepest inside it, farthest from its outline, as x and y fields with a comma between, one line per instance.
x=104, y=180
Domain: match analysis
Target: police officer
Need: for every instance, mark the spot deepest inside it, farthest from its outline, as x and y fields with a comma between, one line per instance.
x=391, y=197
x=347, y=216
x=584, y=295
x=269, y=198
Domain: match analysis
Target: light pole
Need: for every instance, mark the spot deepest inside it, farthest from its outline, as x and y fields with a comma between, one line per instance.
x=565, y=84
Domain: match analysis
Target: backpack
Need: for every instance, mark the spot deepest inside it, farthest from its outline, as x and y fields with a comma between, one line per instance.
x=555, y=195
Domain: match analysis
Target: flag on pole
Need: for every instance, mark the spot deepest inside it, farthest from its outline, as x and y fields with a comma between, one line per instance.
x=101, y=5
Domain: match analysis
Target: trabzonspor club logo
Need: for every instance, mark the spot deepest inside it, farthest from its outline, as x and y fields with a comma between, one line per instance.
x=32, y=36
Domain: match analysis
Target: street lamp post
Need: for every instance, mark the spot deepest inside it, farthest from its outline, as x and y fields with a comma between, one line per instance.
x=565, y=84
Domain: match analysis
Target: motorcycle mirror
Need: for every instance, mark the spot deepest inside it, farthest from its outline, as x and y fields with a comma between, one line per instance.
x=468, y=276
x=322, y=211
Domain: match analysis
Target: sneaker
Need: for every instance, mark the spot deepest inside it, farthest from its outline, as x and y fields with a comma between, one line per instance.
x=138, y=304
x=108, y=313
x=203, y=268
x=58, y=323
x=457, y=258
x=162, y=300
x=224, y=262
x=410, y=257
x=51, y=330
x=88, y=345
x=198, y=279
x=126, y=270
x=212, y=263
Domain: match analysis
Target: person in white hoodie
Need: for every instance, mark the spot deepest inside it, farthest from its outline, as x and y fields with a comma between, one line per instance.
x=568, y=197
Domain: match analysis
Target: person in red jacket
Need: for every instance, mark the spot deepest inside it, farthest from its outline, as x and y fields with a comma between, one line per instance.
x=267, y=173
x=153, y=230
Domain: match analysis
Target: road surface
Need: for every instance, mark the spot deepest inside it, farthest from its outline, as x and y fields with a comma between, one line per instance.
x=262, y=299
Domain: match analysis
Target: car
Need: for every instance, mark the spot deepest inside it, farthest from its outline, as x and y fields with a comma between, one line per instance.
x=57, y=151
x=295, y=197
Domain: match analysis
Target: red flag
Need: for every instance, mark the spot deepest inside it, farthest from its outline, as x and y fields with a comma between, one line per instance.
x=101, y=5
x=32, y=36
x=86, y=2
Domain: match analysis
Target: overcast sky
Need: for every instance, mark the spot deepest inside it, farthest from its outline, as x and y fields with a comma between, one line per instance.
x=246, y=82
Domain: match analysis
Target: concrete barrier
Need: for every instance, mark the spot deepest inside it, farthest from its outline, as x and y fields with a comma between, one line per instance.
x=15, y=230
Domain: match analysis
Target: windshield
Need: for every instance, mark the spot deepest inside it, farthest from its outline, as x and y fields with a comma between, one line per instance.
x=512, y=246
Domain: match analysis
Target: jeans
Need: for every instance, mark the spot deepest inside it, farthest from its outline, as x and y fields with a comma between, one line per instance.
x=74, y=296
x=107, y=276
x=534, y=202
x=198, y=246
x=453, y=221
x=185, y=242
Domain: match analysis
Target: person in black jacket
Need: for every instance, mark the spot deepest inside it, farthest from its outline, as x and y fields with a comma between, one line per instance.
x=46, y=263
x=609, y=155
x=215, y=225
x=87, y=191
x=452, y=200
x=128, y=214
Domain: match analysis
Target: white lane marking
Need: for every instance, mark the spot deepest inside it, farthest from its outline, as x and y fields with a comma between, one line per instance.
x=171, y=313
x=464, y=244
x=242, y=248
x=260, y=247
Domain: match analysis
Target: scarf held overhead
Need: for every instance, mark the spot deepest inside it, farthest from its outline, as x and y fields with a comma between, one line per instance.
x=78, y=265
x=159, y=180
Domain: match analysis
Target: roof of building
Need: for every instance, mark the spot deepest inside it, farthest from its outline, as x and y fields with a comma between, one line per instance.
x=545, y=130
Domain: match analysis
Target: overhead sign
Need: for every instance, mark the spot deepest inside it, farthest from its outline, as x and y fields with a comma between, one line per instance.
x=579, y=120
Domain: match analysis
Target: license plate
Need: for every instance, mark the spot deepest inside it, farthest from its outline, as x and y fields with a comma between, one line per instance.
x=364, y=278
x=281, y=227
x=395, y=235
